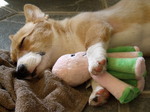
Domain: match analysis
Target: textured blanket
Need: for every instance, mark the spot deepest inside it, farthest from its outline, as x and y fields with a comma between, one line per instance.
x=48, y=94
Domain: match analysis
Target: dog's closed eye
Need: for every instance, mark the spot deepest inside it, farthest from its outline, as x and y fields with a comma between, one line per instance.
x=21, y=43
x=41, y=53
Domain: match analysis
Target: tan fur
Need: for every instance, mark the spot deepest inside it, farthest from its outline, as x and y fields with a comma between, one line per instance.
x=78, y=33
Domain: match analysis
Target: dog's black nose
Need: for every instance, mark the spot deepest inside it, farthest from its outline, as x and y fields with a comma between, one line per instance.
x=21, y=68
x=22, y=72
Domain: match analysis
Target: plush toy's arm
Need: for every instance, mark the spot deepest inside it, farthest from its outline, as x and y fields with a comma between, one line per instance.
x=123, y=49
x=131, y=61
x=125, y=54
x=120, y=90
x=133, y=67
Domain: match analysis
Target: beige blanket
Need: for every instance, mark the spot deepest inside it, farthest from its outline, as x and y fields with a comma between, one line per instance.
x=48, y=94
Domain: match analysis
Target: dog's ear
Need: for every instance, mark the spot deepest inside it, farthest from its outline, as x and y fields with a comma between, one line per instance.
x=33, y=13
x=11, y=37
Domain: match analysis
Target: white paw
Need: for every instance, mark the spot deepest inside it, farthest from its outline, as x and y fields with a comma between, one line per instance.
x=97, y=67
x=99, y=97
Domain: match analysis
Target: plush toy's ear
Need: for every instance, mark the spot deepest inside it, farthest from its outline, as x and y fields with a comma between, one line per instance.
x=33, y=13
x=11, y=37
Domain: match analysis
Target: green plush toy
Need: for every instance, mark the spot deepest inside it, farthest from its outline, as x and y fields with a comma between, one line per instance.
x=124, y=77
x=128, y=65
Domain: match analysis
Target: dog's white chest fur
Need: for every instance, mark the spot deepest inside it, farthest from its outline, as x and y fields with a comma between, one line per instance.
x=136, y=34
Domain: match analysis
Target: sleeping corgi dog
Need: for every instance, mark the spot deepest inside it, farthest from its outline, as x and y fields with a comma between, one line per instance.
x=41, y=41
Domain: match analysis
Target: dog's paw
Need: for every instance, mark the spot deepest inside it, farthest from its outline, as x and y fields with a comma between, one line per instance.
x=98, y=98
x=98, y=67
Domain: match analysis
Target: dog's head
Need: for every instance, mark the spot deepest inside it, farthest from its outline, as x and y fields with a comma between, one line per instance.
x=33, y=46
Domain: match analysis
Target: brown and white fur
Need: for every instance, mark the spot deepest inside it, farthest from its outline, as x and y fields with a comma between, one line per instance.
x=126, y=23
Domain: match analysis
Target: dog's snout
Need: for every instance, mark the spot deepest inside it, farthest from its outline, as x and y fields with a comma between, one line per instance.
x=22, y=72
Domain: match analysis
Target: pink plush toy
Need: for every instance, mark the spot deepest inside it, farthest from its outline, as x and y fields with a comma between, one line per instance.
x=73, y=69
